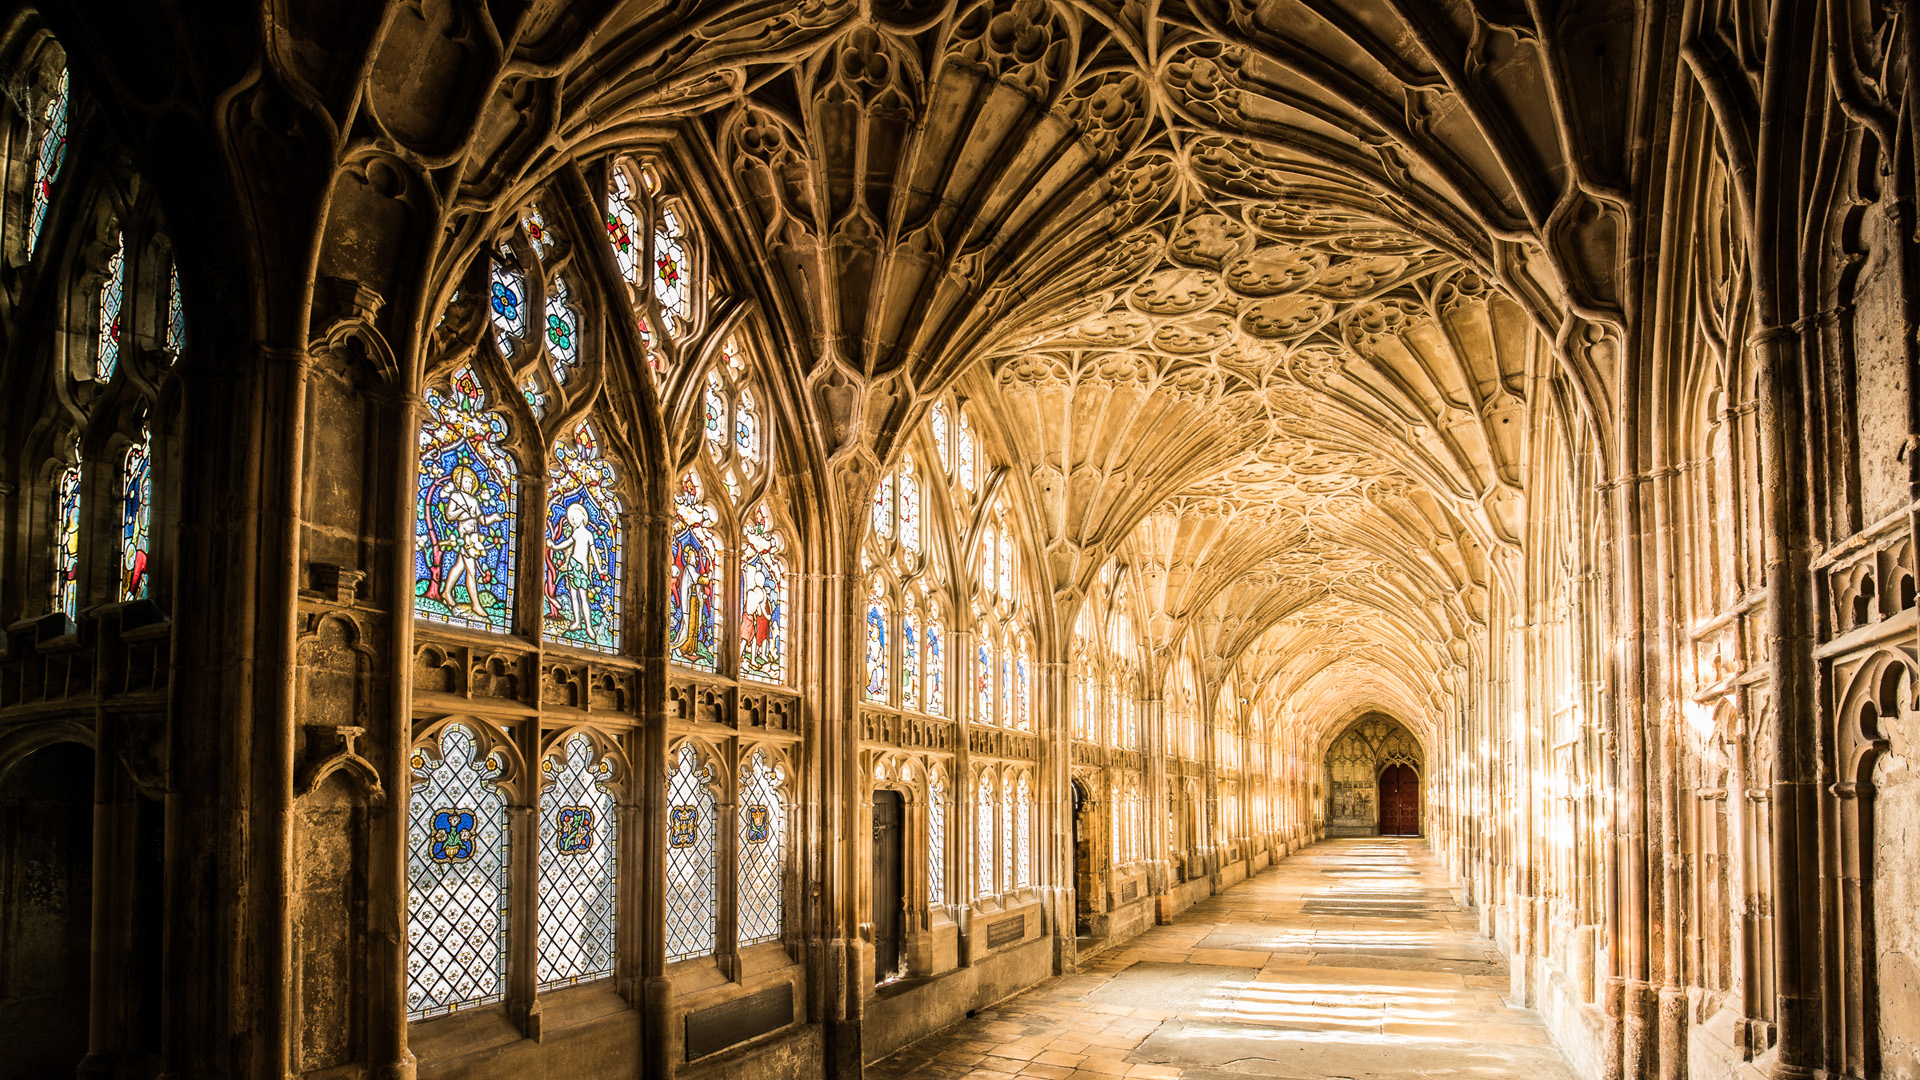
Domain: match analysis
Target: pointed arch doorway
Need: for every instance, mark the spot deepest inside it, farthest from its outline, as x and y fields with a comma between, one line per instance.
x=1399, y=801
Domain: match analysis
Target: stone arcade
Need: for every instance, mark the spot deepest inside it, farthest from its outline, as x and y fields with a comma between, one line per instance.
x=618, y=538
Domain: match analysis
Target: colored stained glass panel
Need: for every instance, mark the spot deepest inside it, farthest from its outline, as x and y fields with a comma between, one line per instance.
x=49, y=155
x=762, y=866
x=671, y=271
x=746, y=429
x=983, y=681
x=937, y=420
x=563, y=330
x=715, y=425
x=456, y=878
x=693, y=610
x=583, y=563
x=877, y=660
x=1006, y=836
x=763, y=592
x=577, y=867
x=936, y=670
x=136, y=512
x=538, y=231
x=909, y=508
x=106, y=352
x=1023, y=689
x=883, y=507
x=464, y=510
x=176, y=315
x=692, y=871
x=66, y=540
x=508, y=304
x=909, y=662
x=623, y=227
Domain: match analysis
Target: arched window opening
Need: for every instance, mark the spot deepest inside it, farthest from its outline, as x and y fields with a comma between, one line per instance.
x=657, y=256
x=136, y=514
x=693, y=617
x=464, y=510
x=584, y=531
x=50, y=153
x=764, y=604
x=577, y=866
x=983, y=838
x=936, y=839
x=113, y=286
x=563, y=330
x=692, y=869
x=1023, y=834
x=909, y=660
x=509, y=303
x=879, y=659
x=762, y=866
x=66, y=536
x=457, y=885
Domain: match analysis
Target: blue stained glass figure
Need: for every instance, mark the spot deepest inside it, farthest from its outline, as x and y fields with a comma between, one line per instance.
x=106, y=355
x=909, y=662
x=136, y=511
x=66, y=538
x=48, y=157
x=563, y=330
x=509, y=304
x=877, y=659
x=763, y=600
x=693, y=607
x=583, y=564
x=1023, y=689
x=464, y=511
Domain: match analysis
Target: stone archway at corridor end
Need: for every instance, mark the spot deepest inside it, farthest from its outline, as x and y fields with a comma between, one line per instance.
x=1355, y=760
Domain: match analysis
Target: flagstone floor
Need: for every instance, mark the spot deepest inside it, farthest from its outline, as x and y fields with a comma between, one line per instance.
x=1351, y=959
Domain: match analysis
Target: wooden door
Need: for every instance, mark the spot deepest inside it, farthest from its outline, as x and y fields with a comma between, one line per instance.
x=1082, y=863
x=1399, y=801
x=889, y=882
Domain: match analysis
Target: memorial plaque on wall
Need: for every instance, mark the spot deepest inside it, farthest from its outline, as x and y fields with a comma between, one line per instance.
x=1006, y=931
x=1130, y=892
x=715, y=1029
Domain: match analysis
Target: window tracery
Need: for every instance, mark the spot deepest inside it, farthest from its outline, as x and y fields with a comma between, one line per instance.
x=113, y=284
x=762, y=856
x=578, y=860
x=464, y=510
x=457, y=885
x=136, y=515
x=692, y=866
x=584, y=531
x=50, y=153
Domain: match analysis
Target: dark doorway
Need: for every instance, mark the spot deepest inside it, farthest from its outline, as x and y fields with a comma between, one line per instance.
x=1082, y=863
x=889, y=882
x=46, y=911
x=1399, y=801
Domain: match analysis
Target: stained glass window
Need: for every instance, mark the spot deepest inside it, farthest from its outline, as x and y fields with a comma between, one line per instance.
x=965, y=452
x=176, y=314
x=909, y=507
x=883, y=507
x=537, y=399
x=48, y=157
x=877, y=658
x=1006, y=563
x=563, y=330
x=509, y=304
x=106, y=353
x=456, y=877
x=1023, y=834
x=989, y=547
x=746, y=429
x=909, y=661
x=716, y=417
x=1006, y=685
x=464, y=510
x=136, y=511
x=937, y=420
x=691, y=867
x=693, y=610
x=983, y=837
x=1023, y=688
x=583, y=566
x=762, y=868
x=936, y=840
x=537, y=231
x=66, y=538
x=763, y=592
x=577, y=867
x=623, y=226
x=671, y=270
x=936, y=669
x=1006, y=834
x=983, y=678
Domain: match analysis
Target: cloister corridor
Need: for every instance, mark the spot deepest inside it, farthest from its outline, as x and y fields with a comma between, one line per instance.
x=1353, y=958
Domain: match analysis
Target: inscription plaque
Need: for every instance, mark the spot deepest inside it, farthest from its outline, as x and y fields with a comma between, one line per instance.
x=1130, y=892
x=712, y=1030
x=1006, y=931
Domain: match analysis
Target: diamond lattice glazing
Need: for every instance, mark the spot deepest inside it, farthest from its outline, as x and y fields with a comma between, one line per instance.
x=456, y=878
x=577, y=859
